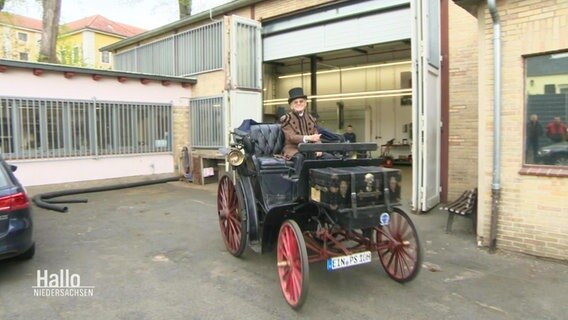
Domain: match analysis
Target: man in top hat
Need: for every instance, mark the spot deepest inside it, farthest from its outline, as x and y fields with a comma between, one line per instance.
x=299, y=127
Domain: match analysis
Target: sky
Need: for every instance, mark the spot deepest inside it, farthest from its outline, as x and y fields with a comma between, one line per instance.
x=145, y=14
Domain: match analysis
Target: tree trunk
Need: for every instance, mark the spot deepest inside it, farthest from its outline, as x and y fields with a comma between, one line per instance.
x=184, y=8
x=51, y=14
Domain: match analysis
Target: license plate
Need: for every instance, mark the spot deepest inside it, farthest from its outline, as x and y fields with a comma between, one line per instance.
x=348, y=261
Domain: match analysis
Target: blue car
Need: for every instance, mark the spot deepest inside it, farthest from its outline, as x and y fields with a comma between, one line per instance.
x=16, y=226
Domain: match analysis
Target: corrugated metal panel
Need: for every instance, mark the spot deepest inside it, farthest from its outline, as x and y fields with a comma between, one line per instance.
x=341, y=34
x=189, y=52
x=246, y=60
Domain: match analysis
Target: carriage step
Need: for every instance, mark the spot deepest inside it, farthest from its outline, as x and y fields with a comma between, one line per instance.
x=288, y=177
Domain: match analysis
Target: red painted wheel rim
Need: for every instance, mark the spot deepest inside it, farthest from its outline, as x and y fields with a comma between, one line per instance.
x=230, y=220
x=290, y=268
x=398, y=248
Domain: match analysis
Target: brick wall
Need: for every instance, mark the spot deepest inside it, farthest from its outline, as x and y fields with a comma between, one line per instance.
x=272, y=8
x=181, y=130
x=533, y=212
x=463, y=138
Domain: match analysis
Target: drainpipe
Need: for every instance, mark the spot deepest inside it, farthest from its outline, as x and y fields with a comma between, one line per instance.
x=496, y=185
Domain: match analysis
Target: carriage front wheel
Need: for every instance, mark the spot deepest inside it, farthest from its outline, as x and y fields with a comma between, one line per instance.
x=232, y=218
x=398, y=247
x=293, y=264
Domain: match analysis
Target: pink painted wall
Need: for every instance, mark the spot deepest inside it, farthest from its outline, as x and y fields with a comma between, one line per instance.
x=21, y=82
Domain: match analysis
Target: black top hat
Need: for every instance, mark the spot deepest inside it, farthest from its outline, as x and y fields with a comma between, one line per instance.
x=296, y=93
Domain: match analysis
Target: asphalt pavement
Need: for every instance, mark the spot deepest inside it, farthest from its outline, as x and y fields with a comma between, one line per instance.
x=155, y=252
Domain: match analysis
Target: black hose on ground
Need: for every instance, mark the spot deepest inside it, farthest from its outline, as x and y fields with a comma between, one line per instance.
x=42, y=200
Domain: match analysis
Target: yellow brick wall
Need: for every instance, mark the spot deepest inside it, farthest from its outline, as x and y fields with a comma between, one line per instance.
x=463, y=138
x=271, y=8
x=180, y=129
x=533, y=212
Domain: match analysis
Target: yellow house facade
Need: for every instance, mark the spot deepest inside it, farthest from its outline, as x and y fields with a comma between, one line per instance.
x=79, y=41
x=20, y=37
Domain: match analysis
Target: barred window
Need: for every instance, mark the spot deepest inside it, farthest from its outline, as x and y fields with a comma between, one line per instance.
x=48, y=128
x=207, y=122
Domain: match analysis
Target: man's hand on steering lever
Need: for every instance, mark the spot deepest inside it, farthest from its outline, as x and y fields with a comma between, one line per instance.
x=313, y=137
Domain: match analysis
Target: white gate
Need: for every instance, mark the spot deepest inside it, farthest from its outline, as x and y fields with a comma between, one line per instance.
x=426, y=104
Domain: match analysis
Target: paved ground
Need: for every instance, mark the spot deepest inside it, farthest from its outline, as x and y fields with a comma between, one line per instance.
x=155, y=252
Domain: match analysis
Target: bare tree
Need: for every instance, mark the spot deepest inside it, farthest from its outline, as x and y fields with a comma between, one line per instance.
x=184, y=8
x=51, y=15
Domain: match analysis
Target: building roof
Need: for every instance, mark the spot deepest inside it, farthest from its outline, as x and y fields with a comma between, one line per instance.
x=199, y=17
x=20, y=21
x=100, y=23
x=5, y=63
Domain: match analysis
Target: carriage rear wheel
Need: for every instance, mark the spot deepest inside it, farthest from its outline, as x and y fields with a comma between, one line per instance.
x=398, y=247
x=293, y=264
x=232, y=218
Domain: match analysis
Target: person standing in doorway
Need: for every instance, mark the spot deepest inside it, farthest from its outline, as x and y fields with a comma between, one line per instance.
x=556, y=130
x=349, y=135
x=534, y=132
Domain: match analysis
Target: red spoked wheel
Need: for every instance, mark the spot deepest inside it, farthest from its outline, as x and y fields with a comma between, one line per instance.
x=232, y=218
x=293, y=264
x=398, y=247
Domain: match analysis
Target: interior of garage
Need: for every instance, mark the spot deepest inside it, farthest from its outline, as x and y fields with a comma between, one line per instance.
x=368, y=87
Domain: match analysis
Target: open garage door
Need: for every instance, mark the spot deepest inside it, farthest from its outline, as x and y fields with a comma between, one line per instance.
x=426, y=117
x=245, y=81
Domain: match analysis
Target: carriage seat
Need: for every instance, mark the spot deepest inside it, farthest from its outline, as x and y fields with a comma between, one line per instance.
x=268, y=141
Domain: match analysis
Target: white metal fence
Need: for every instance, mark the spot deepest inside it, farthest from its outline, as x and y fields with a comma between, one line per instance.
x=37, y=128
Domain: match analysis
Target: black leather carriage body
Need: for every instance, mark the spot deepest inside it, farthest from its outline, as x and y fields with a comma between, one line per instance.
x=355, y=195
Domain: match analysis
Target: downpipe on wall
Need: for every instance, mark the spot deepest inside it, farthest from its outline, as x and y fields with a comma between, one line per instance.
x=496, y=184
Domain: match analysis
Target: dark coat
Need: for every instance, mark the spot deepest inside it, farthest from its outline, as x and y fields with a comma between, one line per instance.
x=295, y=128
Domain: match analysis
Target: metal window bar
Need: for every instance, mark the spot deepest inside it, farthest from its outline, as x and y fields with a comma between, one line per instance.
x=190, y=52
x=207, y=118
x=36, y=128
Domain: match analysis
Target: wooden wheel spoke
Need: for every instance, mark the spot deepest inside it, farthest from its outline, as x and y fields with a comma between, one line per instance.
x=296, y=282
x=404, y=229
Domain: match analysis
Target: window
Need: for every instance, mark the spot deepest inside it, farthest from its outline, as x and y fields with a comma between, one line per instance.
x=206, y=122
x=24, y=56
x=22, y=36
x=105, y=57
x=48, y=128
x=75, y=55
x=546, y=132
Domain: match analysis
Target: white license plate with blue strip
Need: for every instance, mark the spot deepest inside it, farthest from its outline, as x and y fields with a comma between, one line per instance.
x=348, y=261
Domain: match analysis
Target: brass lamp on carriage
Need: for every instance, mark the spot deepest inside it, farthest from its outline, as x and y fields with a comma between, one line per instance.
x=236, y=157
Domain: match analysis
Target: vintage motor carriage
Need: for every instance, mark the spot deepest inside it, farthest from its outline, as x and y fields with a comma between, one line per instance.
x=340, y=211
